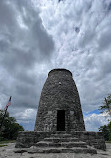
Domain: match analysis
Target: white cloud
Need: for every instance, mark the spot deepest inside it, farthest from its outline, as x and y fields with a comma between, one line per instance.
x=94, y=121
x=27, y=114
x=25, y=117
x=85, y=52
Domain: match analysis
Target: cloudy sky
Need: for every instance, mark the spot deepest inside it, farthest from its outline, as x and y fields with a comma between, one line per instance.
x=37, y=36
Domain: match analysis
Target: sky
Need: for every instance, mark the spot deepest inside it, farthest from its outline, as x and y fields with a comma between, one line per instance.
x=38, y=36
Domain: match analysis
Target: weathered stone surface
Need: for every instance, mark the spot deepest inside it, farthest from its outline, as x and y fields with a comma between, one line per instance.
x=28, y=139
x=60, y=101
x=62, y=150
x=46, y=146
x=94, y=139
x=59, y=93
x=8, y=152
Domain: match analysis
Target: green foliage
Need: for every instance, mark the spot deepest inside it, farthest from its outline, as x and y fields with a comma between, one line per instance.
x=3, y=145
x=106, y=130
x=106, y=107
x=10, y=127
x=7, y=141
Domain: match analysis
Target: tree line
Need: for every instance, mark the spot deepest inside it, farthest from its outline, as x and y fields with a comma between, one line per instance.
x=10, y=128
x=106, y=108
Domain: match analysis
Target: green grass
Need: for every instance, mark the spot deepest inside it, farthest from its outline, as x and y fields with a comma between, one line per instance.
x=7, y=141
x=108, y=141
x=3, y=145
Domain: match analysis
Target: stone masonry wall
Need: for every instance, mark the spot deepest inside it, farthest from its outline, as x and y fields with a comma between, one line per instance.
x=94, y=139
x=59, y=93
x=29, y=138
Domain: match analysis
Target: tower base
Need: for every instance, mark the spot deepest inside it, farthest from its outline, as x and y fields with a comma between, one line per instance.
x=61, y=142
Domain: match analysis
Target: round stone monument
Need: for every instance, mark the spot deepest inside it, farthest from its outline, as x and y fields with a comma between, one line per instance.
x=59, y=126
x=59, y=107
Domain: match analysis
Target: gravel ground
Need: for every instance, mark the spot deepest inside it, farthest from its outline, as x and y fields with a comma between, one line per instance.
x=8, y=152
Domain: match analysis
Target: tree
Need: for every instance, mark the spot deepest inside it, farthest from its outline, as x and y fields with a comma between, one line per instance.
x=10, y=127
x=106, y=130
x=106, y=107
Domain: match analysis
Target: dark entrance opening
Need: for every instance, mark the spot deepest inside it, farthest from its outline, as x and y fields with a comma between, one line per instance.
x=61, y=120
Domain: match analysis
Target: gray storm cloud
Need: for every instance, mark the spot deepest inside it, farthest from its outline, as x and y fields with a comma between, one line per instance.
x=24, y=46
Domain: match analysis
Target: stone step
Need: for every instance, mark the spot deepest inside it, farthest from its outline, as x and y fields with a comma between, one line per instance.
x=61, y=135
x=55, y=140
x=62, y=150
x=60, y=132
x=63, y=144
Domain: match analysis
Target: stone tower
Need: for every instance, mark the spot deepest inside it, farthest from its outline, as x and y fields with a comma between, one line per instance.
x=59, y=126
x=59, y=107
